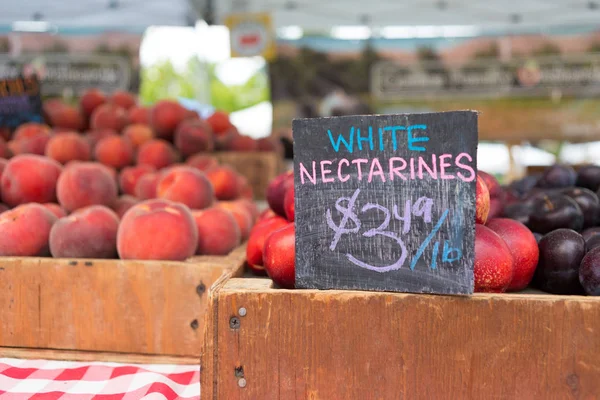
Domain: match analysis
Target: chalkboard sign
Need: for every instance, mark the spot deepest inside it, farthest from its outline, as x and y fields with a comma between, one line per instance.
x=20, y=101
x=386, y=202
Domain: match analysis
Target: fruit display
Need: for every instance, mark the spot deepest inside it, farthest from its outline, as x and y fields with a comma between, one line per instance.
x=540, y=231
x=111, y=179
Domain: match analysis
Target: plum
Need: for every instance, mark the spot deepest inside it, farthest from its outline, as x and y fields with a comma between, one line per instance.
x=520, y=211
x=561, y=252
x=558, y=176
x=538, y=237
x=523, y=186
x=588, y=177
x=588, y=202
x=555, y=212
x=589, y=273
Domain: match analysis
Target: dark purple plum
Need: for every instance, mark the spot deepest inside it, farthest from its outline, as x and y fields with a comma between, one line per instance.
x=558, y=176
x=561, y=252
x=524, y=185
x=588, y=203
x=518, y=211
x=589, y=273
x=590, y=232
x=538, y=237
x=588, y=176
x=555, y=212
x=592, y=242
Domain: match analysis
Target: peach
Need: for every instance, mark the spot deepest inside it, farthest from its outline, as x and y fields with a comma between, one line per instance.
x=66, y=147
x=130, y=176
x=223, y=139
x=482, y=201
x=256, y=242
x=165, y=116
x=138, y=134
x=29, y=130
x=225, y=181
x=145, y=188
x=123, y=99
x=242, y=216
x=157, y=230
x=3, y=207
x=193, y=136
x=56, y=209
x=269, y=144
x=219, y=122
x=3, y=164
x=67, y=117
x=250, y=207
x=218, y=232
x=276, y=192
x=84, y=184
x=93, y=137
x=157, y=153
x=29, y=178
x=242, y=143
x=265, y=214
x=114, y=151
x=30, y=138
x=280, y=256
x=90, y=100
x=186, y=185
x=5, y=151
x=246, y=190
x=139, y=115
x=50, y=107
x=109, y=116
x=124, y=203
x=289, y=204
x=25, y=231
x=87, y=233
x=202, y=162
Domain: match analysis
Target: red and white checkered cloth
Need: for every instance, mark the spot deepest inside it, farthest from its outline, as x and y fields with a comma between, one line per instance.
x=65, y=380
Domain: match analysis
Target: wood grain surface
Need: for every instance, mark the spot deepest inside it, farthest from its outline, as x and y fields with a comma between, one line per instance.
x=309, y=344
x=114, y=306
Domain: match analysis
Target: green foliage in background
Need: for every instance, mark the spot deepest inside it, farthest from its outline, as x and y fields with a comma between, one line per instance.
x=200, y=82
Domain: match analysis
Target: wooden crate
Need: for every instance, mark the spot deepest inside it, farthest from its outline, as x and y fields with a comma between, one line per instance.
x=311, y=344
x=258, y=167
x=142, y=311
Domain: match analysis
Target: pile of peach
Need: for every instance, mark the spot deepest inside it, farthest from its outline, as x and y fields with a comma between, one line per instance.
x=86, y=209
x=271, y=246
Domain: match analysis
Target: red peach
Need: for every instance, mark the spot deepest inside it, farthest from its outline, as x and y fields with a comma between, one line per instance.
x=266, y=213
x=109, y=116
x=30, y=138
x=157, y=153
x=242, y=216
x=68, y=117
x=66, y=147
x=3, y=207
x=138, y=134
x=202, y=162
x=145, y=188
x=124, y=203
x=491, y=183
x=482, y=201
x=90, y=100
x=218, y=232
x=242, y=143
x=157, y=230
x=84, y=184
x=25, y=230
x=246, y=190
x=30, y=129
x=29, y=179
x=276, y=192
x=289, y=205
x=193, y=136
x=219, y=122
x=87, y=233
x=186, y=185
x=225, y=181
x=93, y=137
x=55, y=209
x=496, y=208
x=494, y=265
x=114, y=151
x=269, y=144
x=280, y=256
x=256, y=242
x=139, y=115
x=130, y=176
x=123, y=99
x=3, y=164
x=523, y=248
x=165, y=116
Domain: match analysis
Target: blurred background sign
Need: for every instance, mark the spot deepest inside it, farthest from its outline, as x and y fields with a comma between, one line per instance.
x=251, y=35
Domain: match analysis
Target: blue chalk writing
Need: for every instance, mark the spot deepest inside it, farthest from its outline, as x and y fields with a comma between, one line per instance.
x=412, y=139
x=342, y=139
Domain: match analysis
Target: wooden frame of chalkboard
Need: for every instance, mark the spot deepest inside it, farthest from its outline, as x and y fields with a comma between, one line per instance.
x=386, y=202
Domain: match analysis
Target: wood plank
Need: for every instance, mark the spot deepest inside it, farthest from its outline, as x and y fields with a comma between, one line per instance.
x=68, y=355
x=139, y=307
x=258, y=167
x=314, y=344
